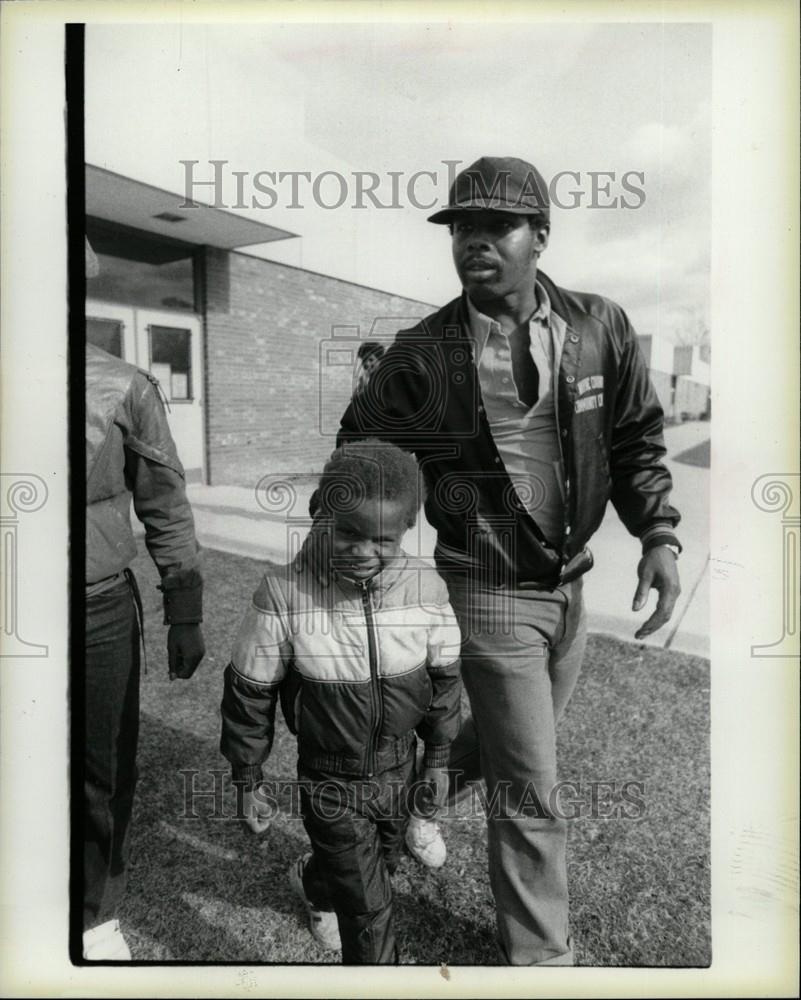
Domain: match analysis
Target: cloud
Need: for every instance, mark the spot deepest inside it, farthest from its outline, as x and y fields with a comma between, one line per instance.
x=659, y=274
x=657, y=147
x=674, y=157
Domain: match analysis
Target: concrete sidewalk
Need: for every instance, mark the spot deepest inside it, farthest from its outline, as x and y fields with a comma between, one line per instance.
x=267, y=522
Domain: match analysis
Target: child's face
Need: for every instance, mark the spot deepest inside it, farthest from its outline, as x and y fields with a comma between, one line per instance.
x=364, y=540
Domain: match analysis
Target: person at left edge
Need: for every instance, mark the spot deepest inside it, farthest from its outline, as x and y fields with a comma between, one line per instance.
x=130, y=455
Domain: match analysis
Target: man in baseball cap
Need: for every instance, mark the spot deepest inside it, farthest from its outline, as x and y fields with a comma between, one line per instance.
x=529, y=407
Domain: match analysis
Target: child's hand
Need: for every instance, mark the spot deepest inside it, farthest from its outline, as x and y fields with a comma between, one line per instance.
x=256, y=811
x=436, y=778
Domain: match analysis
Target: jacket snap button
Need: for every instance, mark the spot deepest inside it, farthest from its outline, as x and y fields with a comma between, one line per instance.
x=497, y=460
x=570, y=380
x=573, y=338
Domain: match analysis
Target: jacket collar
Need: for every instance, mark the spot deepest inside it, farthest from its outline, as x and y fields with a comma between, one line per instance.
x=377, y=585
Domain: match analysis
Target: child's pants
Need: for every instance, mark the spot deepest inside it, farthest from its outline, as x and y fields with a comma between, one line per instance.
x=356, y=828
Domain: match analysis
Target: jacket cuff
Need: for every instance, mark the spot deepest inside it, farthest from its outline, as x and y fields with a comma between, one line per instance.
x=247, y=775
x=658, y=534
x=436, y=755
x=183, y=605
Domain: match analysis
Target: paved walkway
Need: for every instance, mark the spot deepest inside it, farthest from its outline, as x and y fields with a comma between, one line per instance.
x=261, y=524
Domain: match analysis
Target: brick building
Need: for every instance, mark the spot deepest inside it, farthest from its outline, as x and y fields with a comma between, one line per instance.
x=680, y=374
x=256, y=358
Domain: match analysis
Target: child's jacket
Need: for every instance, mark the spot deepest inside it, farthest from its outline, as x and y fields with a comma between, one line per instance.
x=360, y=669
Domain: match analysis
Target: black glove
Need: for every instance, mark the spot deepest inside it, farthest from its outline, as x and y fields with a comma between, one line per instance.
x=185, y=650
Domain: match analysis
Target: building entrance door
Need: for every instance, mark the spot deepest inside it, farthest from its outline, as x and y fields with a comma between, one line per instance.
x=167, y=344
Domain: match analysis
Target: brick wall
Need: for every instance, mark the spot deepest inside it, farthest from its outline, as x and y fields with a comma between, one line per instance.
x=280, y=350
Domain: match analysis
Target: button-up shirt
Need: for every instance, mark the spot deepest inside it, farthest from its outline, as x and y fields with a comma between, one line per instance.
x=526, y=437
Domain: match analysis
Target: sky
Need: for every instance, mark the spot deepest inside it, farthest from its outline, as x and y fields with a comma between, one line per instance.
x=625, y=99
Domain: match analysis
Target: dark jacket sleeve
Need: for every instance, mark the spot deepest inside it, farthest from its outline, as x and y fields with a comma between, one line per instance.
x=641, y=482
x=248, y=725
x=156, y=479
x=440, y=724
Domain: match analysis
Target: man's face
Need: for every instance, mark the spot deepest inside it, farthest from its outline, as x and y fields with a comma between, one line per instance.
x=364, y=540
x=496, y=252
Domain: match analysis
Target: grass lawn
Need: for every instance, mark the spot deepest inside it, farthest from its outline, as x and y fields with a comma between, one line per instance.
x=204, y=889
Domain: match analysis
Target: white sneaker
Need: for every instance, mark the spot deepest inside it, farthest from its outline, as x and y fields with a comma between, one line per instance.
x=322, y=923
x=425, y=842
x=105, y=943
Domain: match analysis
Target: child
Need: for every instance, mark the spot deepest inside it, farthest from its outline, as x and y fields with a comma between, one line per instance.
x=362, y=643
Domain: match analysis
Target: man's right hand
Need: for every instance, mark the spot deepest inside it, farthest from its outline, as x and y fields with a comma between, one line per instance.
x=256, y=811
x=657, y=570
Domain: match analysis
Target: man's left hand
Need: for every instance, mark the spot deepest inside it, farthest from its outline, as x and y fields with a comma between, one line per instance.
x=185, y=650
x=657, y=569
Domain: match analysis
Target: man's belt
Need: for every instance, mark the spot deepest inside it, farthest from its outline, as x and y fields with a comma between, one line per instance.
x=572, y=570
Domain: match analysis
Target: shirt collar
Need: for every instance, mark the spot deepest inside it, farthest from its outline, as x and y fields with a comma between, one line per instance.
x=480, y=326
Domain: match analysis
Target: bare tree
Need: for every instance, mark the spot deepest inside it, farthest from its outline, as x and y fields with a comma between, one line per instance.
x=694, y=333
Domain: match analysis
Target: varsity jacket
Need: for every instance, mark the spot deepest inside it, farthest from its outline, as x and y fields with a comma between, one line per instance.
x=358, y=668
x=130, y=455
x=425, y=396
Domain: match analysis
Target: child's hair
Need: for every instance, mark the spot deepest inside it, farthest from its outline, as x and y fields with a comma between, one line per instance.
x=361, y=470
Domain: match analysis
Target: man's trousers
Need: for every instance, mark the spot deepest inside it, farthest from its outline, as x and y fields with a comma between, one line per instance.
x=521, y=656
x=111, y=734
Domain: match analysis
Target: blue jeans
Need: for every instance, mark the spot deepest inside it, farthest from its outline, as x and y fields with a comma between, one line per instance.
x=111, y=731
x=521, y=656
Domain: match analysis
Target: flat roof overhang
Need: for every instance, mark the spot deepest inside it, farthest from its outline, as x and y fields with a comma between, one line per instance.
x=121, y=199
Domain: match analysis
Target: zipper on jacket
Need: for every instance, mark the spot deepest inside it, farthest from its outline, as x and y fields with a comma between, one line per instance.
x=375, y=691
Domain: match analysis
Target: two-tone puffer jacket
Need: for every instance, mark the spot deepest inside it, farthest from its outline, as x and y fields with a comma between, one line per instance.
x=359, y=668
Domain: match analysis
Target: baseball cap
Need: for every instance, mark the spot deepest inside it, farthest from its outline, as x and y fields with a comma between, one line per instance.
x=500, y=183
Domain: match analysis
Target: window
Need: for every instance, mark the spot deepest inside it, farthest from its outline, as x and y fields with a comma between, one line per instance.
x=105, y=333
x=171, y=361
